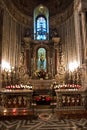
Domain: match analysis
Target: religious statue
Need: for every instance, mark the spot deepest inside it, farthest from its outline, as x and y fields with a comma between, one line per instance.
x=42, y=62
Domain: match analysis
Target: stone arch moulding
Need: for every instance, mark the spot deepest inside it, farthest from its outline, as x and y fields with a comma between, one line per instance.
x=41, y=11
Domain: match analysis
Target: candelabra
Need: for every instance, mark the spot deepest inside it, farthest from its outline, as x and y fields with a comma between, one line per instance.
x=10, y=77
x=72, y=80
x=76, y=77
x=5, y=78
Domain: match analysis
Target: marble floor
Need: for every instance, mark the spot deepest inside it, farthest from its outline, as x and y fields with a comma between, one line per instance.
x=46, y=120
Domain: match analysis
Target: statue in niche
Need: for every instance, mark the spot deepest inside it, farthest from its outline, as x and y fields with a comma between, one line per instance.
x=42, y=62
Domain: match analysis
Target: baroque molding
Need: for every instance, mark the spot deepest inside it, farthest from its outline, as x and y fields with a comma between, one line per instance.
x=28, y=20
x=16, y=14
x=62, y=17
x=84, y=5
x=77, y=5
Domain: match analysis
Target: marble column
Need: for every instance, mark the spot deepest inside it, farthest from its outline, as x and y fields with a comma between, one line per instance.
x=83, y=21
x=0, y=78
x=78, y=37
x=1, y=31
x=27, y=41
x=56, y=41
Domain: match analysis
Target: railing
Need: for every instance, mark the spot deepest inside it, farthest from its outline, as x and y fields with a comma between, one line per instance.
x=70, y=99
x=15, y=101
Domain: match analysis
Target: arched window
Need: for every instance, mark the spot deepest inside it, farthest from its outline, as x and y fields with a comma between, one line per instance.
x=41, y=26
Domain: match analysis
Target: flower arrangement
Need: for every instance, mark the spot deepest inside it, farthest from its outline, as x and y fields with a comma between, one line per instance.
x=43, y=99
x=40, y=74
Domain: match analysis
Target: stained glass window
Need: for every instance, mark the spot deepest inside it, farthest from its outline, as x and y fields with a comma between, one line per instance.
x=41, y=28
x=41, y=23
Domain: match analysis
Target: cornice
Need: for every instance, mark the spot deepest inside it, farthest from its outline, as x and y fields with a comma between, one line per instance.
x=62, y=17
x=28, y=20
x=16, y=14
x=77, y=5
x=84, y=5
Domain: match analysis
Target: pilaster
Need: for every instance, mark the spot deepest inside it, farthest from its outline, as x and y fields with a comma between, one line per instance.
x=83, y=22
x=78, y=29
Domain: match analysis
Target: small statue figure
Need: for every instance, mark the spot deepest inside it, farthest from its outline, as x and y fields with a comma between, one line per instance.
x=42, y=62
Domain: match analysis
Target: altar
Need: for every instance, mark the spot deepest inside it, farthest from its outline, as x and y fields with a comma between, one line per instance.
x=41, y=84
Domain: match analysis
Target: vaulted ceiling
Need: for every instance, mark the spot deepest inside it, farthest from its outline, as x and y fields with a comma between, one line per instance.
x=54, y=6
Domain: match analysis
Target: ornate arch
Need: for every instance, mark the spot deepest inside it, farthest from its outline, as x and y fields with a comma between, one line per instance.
x=36, y=55
x=41, y=11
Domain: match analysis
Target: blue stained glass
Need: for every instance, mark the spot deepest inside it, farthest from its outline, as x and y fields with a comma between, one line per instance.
x=41, y=28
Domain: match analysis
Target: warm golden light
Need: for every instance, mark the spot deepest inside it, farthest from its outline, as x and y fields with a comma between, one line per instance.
x=5, y=65
x=14, y=110
x=73, y=66
x=5, y=110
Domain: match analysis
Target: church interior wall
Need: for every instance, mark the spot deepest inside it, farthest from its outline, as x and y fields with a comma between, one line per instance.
x=65, y=25
x=12, y=38
x=1, y=29
x=18, y=48
x=66, y=32
x=14, y=31
x=9, y=39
